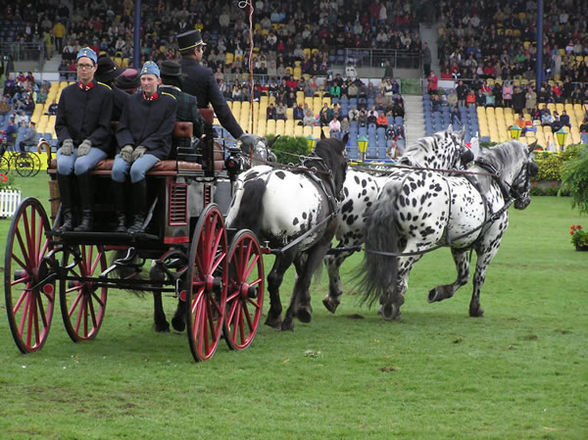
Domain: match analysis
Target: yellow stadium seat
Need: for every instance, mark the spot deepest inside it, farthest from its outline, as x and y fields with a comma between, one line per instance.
x=289, y=127
x=280, y=127
x=299, y=130
x=307, y=131
x=289, y=113
x=316, y=132
x=270, y=127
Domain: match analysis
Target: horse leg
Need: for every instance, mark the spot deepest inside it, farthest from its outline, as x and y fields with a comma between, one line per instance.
x=179, y=319
x=306, y=265
x=390, y=304
x=333, y=263
x=159, y=320
x=445, y=291
x=274, y=280
x=485, y=253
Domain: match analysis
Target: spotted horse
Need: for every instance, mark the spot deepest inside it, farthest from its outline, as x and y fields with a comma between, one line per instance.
x=442, y=150
x=294, y=212
x=426, y=210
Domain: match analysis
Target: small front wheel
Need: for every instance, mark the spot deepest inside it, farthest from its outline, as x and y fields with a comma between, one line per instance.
x=207, y=284
x=83, y=300
x=245, y=293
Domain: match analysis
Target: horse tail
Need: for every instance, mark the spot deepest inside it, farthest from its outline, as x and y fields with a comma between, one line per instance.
x=381, y=236
x=250, y=212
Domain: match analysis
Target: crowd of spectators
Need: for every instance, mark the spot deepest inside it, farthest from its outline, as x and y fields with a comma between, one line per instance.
x=498, y=40
x=285, y=33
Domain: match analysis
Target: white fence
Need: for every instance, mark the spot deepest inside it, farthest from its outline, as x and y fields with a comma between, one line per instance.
x=9, y=201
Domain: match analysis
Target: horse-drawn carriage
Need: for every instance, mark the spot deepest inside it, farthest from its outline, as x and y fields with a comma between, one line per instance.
x=217, y=272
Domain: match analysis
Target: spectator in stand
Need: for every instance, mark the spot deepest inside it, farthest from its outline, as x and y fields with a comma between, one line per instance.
x=372, y=116
x=28, y=137
x=335, y=127
x=281, y=111
x=565, y=119
x=530, y=99
x=518, y=100
x=382, y=120
x=353, y=114
x=546, y=116
x=507, y=92
x=426, y=60
x=556, y=124
x=584, y=126
x=432, y=82
x=11, y=132
x=455, y=118
x=270, y=111
x=451, y=98
x=470, y=99
x=298, y=112
x=309, y=119
x=345, y=125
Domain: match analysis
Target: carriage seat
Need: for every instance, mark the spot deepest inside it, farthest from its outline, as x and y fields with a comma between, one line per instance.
x=161, y=168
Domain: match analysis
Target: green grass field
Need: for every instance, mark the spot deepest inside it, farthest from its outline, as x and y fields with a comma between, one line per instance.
x=521, y=372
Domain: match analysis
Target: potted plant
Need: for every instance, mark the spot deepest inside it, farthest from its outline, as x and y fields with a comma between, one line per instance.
x=579, y=237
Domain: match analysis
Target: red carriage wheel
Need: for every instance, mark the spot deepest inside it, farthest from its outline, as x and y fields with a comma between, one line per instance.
x=245, y=291
x=207, y=283
x=82, y=301
x=29, y=281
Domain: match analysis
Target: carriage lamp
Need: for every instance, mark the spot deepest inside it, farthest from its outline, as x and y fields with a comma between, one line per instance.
x=310, y=141
x=561, y=135
x=362, y=144
x=515, y=131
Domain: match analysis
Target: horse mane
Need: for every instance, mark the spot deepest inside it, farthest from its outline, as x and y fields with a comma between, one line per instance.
x=329, y=152
x=501, y=159
x=426, y=149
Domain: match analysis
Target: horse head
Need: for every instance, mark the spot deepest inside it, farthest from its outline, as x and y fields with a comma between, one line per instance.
x=521, y=186
x=332, y=153
x=258, y=149
x=513, y=163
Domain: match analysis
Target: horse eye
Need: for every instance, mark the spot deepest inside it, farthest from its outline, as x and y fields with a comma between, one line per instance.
x=532, y=169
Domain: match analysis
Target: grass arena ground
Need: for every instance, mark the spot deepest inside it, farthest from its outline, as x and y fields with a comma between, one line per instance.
x=518, y=373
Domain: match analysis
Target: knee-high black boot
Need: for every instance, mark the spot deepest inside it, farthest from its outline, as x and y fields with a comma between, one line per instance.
x=139, y=191
x=65, y=183
x=118, y=193
x=87, y=201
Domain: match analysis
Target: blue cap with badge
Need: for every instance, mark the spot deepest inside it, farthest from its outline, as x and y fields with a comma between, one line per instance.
x=150, y=67
x=88, y=53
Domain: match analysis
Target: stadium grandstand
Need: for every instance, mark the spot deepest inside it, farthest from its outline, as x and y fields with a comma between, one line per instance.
x=387, y=72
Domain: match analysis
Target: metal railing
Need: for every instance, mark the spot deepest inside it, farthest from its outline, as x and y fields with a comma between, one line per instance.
x=17, y=52
x=376, y=58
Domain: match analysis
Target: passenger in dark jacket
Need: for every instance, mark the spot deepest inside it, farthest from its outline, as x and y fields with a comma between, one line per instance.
x=82, y=126
x=144, y=136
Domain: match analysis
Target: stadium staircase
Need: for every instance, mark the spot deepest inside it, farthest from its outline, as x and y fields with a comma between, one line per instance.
x=414, y=120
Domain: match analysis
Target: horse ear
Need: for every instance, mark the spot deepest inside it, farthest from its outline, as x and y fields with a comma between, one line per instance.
x=532, y=147
x=273, y=141
x=344, y=139
x=323, y=134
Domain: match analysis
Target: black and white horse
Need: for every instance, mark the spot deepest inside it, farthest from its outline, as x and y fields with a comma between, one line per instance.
x=442, y=150
x=427, y=209
x=294, y=211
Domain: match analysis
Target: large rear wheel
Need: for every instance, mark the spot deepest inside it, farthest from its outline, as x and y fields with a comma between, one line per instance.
x=29, y=276
x=245, y=292
x=83, y=302
x=207, y=284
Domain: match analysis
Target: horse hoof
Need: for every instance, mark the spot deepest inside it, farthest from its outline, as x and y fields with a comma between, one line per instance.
x=432, y=295
x=161, y=327
x=330, y=304
x=287, y=325
x=304, y=315
x=179, y=324
x=477, y=313
x=387, y=311
x=274, y=323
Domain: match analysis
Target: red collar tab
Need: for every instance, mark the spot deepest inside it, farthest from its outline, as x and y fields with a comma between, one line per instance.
x=150, y=98
x=85, y=87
